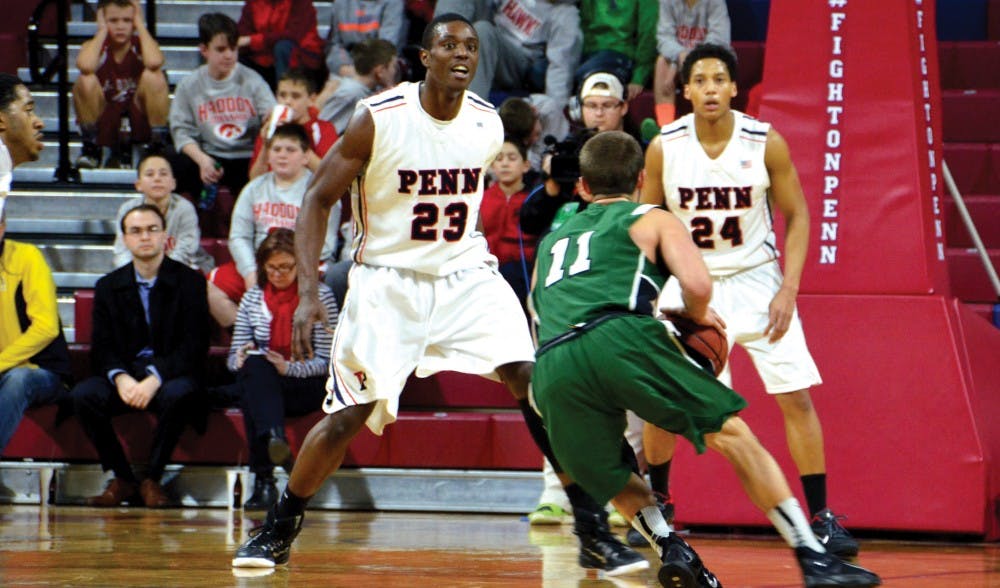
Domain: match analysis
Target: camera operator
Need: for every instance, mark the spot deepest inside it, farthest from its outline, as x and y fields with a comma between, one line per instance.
x=603, y=108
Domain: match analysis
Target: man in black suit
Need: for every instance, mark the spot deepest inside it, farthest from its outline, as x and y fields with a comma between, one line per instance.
x=150, y=338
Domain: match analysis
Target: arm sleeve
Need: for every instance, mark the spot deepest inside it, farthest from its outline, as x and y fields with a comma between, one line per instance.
x=183, y=126
x=241, y=230
x=336, y=53
x=645, y=51
x=103, y=355
x=39, y=290
x=718, y=23
x=188, y=234
x=562, y=51
x=666, y=33
x=393, y=25
x=187, y=358
x=242, y=329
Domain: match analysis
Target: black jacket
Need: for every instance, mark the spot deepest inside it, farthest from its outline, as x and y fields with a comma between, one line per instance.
x=178, y=312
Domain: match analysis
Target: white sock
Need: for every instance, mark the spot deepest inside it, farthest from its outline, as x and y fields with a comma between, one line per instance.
x=650, y=523
x=791, y=522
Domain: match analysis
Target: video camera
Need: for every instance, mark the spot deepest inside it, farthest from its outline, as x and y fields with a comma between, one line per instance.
x=564, y=167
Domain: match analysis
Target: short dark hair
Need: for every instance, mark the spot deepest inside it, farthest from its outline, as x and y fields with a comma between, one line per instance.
x=119, y=3
x=293, y=131
x=610, y=163
x=279, y=240
x=445, y=17
x=298, y=75
x=216, y=23
x=143, y=208
x=516, y=142
x=151, y=155
x=370, y=53
x=709, y=51
x=518, y=118
x=8, y=89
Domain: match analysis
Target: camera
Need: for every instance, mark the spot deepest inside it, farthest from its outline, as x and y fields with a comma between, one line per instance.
x=565, y=164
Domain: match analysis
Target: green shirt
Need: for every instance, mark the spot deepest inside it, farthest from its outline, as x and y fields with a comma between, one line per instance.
x=625, y=26
x=590, y=267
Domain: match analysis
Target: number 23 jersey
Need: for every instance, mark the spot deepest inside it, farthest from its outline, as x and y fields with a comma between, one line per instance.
x=417, y=202
x=722, y=201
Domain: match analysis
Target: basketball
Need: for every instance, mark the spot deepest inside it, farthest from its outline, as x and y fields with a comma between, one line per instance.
x=708, y=345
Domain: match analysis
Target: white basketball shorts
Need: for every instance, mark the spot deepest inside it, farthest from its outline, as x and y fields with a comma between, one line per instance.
x=396, y=321
x=742, y=301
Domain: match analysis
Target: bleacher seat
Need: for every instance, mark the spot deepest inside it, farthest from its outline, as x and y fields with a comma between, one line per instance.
x=985, y=213
x=971, y=115
x=975, y=167
x=961, y=65
x=969, y=281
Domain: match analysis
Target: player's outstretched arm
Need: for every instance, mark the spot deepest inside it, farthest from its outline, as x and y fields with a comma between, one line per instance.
x=652, y=188
x=336, y=172
x=786, y=194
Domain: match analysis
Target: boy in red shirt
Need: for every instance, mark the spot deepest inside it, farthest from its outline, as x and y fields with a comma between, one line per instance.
x=296, y=90
x=120, y=76
x=500, y=213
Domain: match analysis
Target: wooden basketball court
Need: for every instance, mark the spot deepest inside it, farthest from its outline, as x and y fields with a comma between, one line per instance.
x=75, y=546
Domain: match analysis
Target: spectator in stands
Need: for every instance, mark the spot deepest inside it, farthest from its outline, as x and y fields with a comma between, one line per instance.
x=268, y=202
x=603, y=108
x=529, y=119
x=270, y=385
x=278, y=34
x=682, y=25
x=156, y=183
x=501, y=213
x=34, y=358
x=120, y=77
x=150, y=338
x=619, y=36
x=297, y=91
x=355, y=21
x=217, y=111
x=376, y=67
x=524, y=44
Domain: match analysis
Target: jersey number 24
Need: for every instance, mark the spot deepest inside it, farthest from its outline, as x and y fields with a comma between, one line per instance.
x=702, y=229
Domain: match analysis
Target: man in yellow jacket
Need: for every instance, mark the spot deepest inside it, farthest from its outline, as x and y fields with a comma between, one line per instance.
x=34, y=358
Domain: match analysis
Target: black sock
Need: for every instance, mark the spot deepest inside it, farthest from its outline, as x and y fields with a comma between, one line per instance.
x=659, y=478
x=628, y=454
x=586, y=510
x=88, y=133
x=814, y=486
x=290, y=505
x=537, y=429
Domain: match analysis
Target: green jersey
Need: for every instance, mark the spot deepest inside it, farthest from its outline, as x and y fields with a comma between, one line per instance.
x=590, y=267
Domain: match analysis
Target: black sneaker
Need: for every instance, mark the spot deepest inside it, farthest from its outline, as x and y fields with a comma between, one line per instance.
x=280, y=452
x=832, y=535
x=270, y=544
x=90, y=156
x=635, y=539
x=824, y=569
x=601, y=550
x=682, y=568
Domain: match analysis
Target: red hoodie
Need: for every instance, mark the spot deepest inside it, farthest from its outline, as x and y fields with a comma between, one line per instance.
x=269, y=21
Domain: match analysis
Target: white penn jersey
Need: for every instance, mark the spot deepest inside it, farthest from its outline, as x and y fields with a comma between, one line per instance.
x=417, y=202
x=723, y=201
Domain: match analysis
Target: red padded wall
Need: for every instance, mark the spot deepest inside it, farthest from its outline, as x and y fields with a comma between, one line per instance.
x=912, y=383
x=853, y=87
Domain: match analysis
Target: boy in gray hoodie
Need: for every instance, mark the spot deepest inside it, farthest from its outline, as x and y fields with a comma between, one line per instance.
x=217, y=112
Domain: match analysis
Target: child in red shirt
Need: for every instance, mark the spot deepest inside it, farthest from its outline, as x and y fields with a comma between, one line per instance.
x=500, y=214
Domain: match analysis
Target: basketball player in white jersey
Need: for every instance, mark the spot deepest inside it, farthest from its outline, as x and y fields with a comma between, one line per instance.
x=424, y=293
x=721, y=172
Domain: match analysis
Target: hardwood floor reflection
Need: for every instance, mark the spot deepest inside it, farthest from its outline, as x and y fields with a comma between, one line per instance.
x=70, y=546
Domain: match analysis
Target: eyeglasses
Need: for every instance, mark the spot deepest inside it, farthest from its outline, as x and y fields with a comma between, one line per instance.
x=279, y=269
x=602, y=105
x=151, y=229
